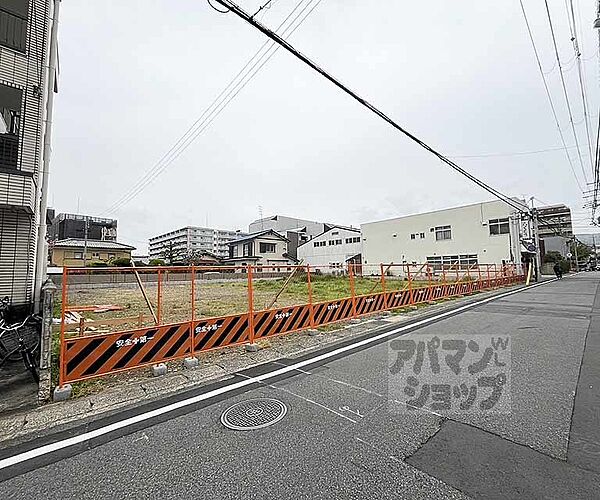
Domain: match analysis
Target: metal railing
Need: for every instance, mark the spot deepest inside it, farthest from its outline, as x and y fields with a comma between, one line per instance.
x=177, y=312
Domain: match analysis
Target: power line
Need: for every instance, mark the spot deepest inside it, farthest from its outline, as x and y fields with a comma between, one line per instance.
x=238, y=82
x=573, y=28
x=552, y=107
x=287, y=46
x=564, y=86
x=514, y=153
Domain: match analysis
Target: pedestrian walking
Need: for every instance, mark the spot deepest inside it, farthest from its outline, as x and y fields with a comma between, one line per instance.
x=558, y=270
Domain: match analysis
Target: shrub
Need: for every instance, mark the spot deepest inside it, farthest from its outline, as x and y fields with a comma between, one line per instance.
x=156, y=262
x=121, y=262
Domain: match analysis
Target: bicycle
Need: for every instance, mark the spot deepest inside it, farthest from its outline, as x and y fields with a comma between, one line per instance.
x=21, y=341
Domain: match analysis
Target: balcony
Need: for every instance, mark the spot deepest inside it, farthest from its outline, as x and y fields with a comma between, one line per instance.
x=13, y=30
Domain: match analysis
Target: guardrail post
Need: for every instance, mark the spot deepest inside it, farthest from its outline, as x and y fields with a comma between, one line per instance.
x=352, y=290
x=250, y=309
x=444, y=284
x=159, y=297
x=193, y=312
x=311, y=309
x=385, y=300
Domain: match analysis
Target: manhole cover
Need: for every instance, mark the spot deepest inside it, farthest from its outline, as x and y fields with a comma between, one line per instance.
x=253, y=414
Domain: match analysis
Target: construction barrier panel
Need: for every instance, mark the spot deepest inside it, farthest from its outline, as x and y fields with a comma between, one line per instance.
x=134, y=317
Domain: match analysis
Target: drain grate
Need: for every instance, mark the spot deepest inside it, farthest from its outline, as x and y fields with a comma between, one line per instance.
x=253, y=414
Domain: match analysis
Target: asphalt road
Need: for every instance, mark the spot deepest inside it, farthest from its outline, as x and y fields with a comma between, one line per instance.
x=348, y=435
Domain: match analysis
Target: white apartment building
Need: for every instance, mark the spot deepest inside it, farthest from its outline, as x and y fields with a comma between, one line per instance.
x=24, y=37
x=486, y=233
x=188, y=239
x=330, y=251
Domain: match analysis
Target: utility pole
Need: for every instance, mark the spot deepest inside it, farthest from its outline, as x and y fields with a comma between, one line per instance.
x=41, y=257
x=536, y=242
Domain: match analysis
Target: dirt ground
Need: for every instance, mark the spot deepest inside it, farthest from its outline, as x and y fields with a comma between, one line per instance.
x=212, y=298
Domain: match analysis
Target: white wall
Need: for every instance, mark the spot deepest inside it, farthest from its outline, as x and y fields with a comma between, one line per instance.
x=390, y=240
x=324, y=257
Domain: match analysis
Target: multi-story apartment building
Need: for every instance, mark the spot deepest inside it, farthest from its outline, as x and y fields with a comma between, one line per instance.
x=24, y=39
x=183, y=241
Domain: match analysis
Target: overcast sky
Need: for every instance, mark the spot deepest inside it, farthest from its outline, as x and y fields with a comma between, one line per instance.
x=134, y=75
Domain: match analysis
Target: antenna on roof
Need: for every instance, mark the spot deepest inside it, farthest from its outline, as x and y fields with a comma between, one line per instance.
x=260, y=216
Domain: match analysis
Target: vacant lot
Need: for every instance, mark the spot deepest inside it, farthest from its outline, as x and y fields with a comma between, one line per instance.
x=216, y=298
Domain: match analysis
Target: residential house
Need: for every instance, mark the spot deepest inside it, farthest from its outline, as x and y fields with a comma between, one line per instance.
x=80, y=253
x=261, y=249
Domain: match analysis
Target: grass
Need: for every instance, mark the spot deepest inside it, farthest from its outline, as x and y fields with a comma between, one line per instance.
x=216, y=298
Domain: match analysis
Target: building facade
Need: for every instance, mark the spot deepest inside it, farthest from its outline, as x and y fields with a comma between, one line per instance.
x=80, y=253
x=24, y=39
x=264, y=248
x=297, y=231
x=186, y=240
x=555, y=220
x=330, y=251
x=65, y=226
x=486, y=233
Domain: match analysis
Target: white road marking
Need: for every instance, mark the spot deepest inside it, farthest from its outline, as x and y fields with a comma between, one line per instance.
x=72, y=441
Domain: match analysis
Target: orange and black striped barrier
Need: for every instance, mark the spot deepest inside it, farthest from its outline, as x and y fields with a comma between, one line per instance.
x=98, y=354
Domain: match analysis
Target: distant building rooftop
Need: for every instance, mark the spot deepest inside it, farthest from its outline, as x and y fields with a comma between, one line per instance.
x=78, y=243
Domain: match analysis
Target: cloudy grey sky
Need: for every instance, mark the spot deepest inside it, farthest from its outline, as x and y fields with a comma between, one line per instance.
x=461, y=75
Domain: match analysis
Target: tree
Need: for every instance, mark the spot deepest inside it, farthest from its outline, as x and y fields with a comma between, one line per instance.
x=552, y=256
x=171, y=254
x=156, y=262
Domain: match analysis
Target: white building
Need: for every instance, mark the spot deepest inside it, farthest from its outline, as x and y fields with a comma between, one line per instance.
x=485, y=233
x=330, y=251
x=189, y=239
x=24, y=37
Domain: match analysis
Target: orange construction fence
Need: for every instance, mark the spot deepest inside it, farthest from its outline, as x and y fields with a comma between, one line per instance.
x=118, y=319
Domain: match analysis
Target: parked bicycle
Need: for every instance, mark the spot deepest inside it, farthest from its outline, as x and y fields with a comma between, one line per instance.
x=20, y=341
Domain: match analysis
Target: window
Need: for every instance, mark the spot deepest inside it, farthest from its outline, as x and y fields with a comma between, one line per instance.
x=320, y=243
x=338, y=242
x=10, y=124
x=267, y=247
x=13, y=24
x=357, y=239
x=443, y=233
x=95, y=255
x=413, y=236
x=498, y=226
x=111, y=256
x=331, y=242
x=348, y=240
x=422, y=235
x=316, y=244
x=335, y=233
x=78, y=255
x=248, y=249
